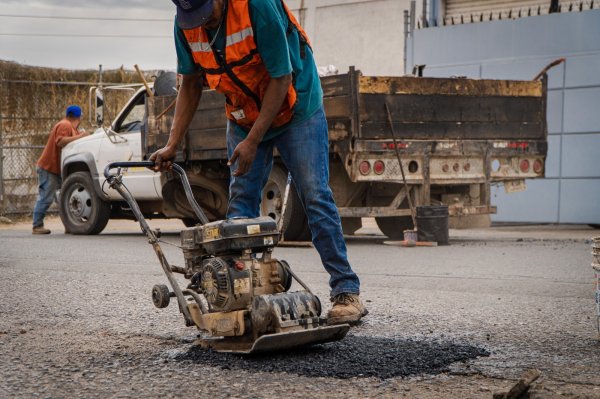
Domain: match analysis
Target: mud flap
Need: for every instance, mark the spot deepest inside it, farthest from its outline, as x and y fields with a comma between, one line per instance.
x=278, y=342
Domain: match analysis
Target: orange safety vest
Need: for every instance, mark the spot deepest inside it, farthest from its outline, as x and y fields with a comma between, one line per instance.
x=241, y=75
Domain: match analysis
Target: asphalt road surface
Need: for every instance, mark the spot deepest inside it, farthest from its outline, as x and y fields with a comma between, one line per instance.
x=464, y=320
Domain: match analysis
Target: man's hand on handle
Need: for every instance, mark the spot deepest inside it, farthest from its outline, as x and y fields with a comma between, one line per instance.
x=163, y=159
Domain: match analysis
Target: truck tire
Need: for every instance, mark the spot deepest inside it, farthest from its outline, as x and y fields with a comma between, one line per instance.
x=295, y=223
x=351, y=225
x=81, y=210
x=394, y=227
x=190, y=222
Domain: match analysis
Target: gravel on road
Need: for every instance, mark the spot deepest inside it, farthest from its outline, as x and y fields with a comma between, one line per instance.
x=76, y=320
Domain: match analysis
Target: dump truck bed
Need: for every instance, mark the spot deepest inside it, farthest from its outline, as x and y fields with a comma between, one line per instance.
x=421, y=108
x=435, y=108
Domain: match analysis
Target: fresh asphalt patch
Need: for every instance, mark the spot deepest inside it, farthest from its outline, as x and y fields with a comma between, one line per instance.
x=354, y=356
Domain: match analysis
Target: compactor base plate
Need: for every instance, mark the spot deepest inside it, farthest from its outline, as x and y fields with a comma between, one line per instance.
x=277, y=342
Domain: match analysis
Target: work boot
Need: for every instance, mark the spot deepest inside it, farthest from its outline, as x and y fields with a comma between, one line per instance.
x=347, y=308
x=40, y=230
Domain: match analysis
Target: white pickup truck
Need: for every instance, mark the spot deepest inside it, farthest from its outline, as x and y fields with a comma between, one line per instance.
x=86, y=203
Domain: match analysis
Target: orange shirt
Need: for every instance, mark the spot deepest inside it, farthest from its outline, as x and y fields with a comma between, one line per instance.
x=50, y=159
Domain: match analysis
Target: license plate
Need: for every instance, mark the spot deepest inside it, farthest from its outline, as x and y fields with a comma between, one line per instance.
x=514, y=186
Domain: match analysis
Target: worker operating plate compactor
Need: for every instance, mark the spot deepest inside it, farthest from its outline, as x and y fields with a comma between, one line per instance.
x=238, y=294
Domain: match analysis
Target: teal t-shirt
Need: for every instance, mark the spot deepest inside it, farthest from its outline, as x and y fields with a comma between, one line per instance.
x=280, y=53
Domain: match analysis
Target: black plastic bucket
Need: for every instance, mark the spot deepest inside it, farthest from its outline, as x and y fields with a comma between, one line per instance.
x=432, y=223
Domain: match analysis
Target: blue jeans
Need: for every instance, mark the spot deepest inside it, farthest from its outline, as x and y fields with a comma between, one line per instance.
x=48, y=183
x=304, y=151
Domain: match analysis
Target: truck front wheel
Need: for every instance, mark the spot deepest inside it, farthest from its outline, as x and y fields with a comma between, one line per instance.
x=394, y=227
x=81, y=210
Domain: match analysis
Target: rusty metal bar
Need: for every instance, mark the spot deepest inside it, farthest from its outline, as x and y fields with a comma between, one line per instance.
x=2, y=200
x=472, y=210
x=372, y=211
x=410, y=202
x=548, y=67
x=406, y=27
x=197, y=298
x=354, y=77
x=404, y=191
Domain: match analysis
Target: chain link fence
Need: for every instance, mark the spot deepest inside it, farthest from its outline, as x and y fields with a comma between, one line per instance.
x=28, y=110
x=32, y=101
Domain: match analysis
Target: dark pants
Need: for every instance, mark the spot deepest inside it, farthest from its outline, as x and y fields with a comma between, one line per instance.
x=48, y=184
x=304, y=150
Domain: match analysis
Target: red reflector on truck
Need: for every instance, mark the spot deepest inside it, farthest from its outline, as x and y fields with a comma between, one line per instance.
x=391, y=146
x=378, y=167
x=538, y=166
x=364, y=167
x=518, y=144
x=524, y=165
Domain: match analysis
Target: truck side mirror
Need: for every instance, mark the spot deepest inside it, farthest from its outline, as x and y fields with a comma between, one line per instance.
x=99, y=108
x=96, y=106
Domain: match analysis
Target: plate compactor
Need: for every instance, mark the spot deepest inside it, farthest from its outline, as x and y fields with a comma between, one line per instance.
x=237, y=293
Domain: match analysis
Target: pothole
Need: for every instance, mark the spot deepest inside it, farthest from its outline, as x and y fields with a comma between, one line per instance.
x=355, y=356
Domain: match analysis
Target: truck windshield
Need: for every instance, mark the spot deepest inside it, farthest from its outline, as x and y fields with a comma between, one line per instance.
x=131, y=120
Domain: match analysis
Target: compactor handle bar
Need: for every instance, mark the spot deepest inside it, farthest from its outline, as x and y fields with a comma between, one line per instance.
x=176, y=168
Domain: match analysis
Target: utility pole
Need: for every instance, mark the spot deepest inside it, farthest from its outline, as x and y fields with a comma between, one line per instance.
x=2, y=207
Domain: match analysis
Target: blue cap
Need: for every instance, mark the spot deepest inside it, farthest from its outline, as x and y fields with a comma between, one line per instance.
x=74, y=111
x=193, y=13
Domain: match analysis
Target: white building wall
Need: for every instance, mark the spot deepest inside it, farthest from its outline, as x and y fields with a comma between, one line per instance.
x=518, y=49
x=368, y=34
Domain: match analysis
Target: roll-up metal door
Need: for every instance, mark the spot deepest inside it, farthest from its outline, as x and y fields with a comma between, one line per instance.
x=457, y=8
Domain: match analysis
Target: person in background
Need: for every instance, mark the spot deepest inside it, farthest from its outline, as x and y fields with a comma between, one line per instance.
x=48, y=166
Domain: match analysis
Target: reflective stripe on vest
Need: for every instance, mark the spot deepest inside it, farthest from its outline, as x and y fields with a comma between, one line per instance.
x=200, y=47
x=229, y=40
x=239, y=36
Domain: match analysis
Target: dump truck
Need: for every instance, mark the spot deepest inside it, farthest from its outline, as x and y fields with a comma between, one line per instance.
x=456, y=137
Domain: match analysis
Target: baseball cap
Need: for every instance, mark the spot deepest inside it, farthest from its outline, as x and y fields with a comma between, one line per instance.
x=193, y=13
x=73, y=110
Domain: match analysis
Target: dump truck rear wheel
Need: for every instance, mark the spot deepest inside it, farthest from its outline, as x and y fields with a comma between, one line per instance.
x=295, y=223
x=351, y=225
x=190, y=222
x=394, y=227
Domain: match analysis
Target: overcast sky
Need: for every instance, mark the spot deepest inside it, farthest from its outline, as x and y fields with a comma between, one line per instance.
x=74, y=43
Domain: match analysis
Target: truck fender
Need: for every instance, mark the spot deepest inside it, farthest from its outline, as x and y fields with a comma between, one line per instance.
x=83, y=162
